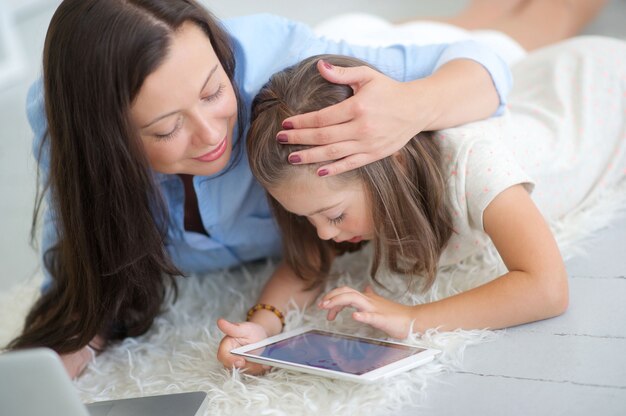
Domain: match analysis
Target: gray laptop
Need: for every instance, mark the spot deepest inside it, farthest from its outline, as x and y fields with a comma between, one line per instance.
x=34, y=382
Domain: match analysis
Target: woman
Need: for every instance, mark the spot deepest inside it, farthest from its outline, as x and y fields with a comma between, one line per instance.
x=146, y=103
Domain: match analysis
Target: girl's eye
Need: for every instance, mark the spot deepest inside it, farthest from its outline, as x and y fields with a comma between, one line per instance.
x=336, y=220
x=171, y=134
x=217, y=94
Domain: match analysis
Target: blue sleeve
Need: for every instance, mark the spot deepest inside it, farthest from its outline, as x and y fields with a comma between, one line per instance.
x=498, y=69
x=268, y=43
x=35, y=110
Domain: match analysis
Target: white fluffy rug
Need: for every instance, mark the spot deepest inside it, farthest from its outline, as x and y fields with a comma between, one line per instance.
x=178, y=353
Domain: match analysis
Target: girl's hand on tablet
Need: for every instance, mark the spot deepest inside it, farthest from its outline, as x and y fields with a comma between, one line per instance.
x=372, y=309
x=237, y=335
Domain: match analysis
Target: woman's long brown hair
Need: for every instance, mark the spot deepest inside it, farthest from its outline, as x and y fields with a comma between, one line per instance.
x=406, y=191
x=110, y=268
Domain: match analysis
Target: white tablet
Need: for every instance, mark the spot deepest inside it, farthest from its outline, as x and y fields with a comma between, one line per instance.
x=330, y=354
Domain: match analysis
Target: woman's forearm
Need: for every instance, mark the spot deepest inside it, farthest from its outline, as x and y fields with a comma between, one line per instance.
x=460, y=91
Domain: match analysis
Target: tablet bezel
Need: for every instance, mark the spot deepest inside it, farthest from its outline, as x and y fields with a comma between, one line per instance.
x=387, y=370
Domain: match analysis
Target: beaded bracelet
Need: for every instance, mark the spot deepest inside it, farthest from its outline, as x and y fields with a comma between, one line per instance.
x=264, y=306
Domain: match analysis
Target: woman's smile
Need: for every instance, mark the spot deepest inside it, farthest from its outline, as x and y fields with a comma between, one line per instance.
x=215, y=153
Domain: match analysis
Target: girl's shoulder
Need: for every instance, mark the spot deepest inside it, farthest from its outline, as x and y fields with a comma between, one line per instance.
x=477, y=166
x=471, y=143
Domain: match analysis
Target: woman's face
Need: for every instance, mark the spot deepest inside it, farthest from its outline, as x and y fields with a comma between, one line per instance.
x=186, y=110
x=338, y=210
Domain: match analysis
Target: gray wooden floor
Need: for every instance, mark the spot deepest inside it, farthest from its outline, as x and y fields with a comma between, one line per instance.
x=574, y=364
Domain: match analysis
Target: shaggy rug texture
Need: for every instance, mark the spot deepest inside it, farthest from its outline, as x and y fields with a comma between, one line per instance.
x=178, y=353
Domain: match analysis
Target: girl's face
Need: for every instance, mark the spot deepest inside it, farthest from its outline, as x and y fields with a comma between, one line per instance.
x=338, y=210
x=186, y=110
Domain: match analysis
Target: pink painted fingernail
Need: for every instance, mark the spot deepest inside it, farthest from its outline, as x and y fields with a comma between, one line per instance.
x=287, y=125
x=294, y=159
x=282, y=138
x=327, y=65
x=322, y=172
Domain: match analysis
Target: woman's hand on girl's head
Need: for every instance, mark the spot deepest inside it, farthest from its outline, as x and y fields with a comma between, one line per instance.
x=381, y=117
x=393, y=318
x=238, y=335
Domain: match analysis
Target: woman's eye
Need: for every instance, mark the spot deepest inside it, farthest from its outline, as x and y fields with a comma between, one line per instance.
x=217, y=94
x=171, y=134
x=336, y=220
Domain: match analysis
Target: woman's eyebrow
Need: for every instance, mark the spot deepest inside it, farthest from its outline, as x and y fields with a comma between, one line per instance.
x=209, y=77
x=176, y=111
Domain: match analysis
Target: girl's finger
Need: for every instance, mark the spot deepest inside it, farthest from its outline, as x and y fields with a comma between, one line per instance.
x=233, y=361
x=332, y=314
x=225, y=357
x=335, y=292
x=231, y=329
x=252, y=368
x=355, y=300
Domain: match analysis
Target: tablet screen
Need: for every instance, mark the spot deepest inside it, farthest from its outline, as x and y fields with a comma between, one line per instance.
x=338, y=352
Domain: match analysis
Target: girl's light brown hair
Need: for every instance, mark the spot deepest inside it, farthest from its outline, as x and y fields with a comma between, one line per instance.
x=406, y=191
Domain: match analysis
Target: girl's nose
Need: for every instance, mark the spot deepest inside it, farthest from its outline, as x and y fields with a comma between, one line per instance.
x=327, y=231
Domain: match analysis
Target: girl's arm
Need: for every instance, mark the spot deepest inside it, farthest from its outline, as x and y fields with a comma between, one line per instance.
x=535, y=287
x=384, y=114
x=283, y=288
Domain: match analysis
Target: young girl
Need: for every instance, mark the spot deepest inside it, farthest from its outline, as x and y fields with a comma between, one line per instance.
x=439, y=199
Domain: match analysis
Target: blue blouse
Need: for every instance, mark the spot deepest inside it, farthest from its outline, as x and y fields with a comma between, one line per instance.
x=233, y=207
